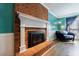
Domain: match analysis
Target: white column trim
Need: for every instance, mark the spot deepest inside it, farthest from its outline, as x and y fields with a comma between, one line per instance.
x=22, y=40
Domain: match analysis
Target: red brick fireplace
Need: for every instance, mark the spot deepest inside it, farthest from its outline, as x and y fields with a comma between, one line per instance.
x=31, y=18
x=31, y=25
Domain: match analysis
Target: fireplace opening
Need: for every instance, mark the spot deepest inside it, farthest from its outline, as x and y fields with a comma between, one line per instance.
x=35, y=37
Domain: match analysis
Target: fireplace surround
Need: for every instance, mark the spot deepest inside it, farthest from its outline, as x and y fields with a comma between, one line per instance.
x=31, y=24
x=35, y=37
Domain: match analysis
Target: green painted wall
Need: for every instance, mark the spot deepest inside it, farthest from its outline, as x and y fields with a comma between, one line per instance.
x=6, y=18
x=54, y=26
x=54, y=22
x=63, y=23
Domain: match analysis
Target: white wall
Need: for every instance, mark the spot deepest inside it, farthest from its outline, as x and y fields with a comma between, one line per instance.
x=75, y=25
x=50, y=33
x=6, y=44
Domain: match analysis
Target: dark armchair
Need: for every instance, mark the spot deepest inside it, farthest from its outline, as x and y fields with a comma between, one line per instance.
x=64, y=36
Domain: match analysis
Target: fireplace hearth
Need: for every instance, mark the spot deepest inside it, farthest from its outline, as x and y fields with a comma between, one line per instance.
x=35, y=37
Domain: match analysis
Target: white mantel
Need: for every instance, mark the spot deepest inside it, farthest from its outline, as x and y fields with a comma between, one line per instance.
x=29, y=21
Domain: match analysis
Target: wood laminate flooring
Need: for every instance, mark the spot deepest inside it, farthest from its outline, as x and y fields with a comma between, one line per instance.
x=64, y=49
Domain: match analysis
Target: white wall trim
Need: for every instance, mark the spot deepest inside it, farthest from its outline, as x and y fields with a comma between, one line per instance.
x=49, y=9
x=22, y=48
x=31, y=26
x=4, y=34
x=31, y=17
x=22, y=39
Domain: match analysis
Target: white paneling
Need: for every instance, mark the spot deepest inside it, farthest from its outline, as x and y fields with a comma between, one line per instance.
x=6, y=44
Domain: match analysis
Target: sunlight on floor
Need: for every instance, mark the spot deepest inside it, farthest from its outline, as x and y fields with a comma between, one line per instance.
x=70, y=48
x=73, y=42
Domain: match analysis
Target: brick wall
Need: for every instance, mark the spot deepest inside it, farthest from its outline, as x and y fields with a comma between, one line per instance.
x=16, y=34
x=33, y=9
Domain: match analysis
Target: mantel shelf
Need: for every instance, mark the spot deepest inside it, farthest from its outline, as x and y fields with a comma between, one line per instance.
x=31, y=17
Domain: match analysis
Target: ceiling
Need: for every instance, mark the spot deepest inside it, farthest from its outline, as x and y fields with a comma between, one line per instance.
x=63, y=9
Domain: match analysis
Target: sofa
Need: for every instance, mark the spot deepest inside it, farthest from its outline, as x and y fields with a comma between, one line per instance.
x=65, y=36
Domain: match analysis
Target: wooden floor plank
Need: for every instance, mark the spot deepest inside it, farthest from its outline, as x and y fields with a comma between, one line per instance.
x=64, y=49
x=38, y=49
